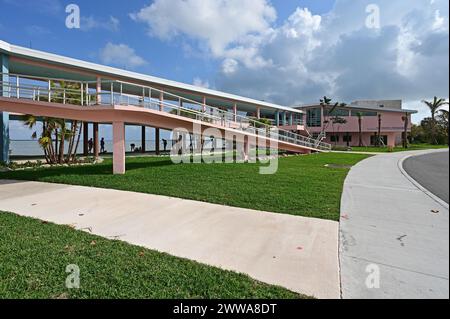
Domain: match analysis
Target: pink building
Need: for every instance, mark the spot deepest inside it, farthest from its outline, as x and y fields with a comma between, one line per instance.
x=341, y=125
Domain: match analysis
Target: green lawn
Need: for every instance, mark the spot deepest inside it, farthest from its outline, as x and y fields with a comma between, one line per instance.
x=34, y=256
x=412, y=147
x=302, y=185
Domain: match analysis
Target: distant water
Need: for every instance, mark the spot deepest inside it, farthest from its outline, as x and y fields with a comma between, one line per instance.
x=32, y=148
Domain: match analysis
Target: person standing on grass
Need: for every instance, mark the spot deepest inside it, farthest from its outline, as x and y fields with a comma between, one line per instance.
x=90, y=145
x=102, y=145
x=164, y=144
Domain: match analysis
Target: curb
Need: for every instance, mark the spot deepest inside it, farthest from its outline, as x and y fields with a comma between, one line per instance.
x=415, y=183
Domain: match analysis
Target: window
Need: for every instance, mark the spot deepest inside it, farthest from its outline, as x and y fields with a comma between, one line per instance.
x=313, y=117
x=334, y=138
x=336, y=112
x=347, y=138
x=364, y=113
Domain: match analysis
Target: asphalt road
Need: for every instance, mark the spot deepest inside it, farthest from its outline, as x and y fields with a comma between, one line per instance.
x=430, y=171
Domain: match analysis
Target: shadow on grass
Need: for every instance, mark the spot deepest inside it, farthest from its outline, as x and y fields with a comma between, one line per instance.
x=97, y=169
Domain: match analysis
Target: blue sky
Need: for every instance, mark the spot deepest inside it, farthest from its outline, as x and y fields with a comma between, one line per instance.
x=287, y=52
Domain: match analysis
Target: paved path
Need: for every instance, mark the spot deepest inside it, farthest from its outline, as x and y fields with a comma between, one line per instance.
x=389, y=224
x=430, y=171
x=298, y=253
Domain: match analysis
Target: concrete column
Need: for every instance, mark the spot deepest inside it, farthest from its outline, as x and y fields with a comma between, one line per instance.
x=85, y=138
x=291, y=119
x=246, y=149
x=4, y=116
x=258, y=112
x=284, y=118
x=157, y=151
x=99, y=91
x=161, y=100
x=119, y=148
x=96, y=140
x=204, y=104
x=235, y=112
x=277, y=118
x=143, y=139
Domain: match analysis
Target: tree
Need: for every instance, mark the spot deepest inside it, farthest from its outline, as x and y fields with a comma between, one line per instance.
x=442, y=120
x=326, y=103
x=405, y=119
x=434, y=106
x=339, y=121
x=379, y=130
x=360, y=116
x=56, y=132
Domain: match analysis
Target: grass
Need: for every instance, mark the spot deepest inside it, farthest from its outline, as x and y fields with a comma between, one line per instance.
x=34, y=256
x=301, y=186
x=412, y=147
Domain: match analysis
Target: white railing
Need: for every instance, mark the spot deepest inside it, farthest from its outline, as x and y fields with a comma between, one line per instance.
x=83, y=93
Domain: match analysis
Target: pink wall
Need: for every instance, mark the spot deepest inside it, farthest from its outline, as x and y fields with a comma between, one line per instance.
x=394, y=138
x=390, y=122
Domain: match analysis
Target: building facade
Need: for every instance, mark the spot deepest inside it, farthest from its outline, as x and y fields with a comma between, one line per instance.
x=342, y=125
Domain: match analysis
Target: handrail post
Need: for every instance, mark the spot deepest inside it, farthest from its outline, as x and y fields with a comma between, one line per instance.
x=49, y=91
x=112, y=93
x=82, y=93
x=17, y=87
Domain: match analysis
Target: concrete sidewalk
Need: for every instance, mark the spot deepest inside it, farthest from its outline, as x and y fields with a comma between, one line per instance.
x=389, y=224
x=298, y=253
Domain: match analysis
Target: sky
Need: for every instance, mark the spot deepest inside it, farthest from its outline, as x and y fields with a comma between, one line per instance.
x=282, y=51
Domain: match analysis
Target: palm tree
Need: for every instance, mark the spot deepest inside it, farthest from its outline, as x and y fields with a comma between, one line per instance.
x=405, y=131
x=442, y=120
x=360, y=116
x=434, y=106
x=55, y=132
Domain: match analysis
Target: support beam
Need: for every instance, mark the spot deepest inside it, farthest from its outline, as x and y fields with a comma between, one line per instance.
x=277, y=118
x=161, y=100
x=291, y=119
x=85, y=138
x=204, y=104
x=96, y=140
x=99, y=91
x=143, y=139
x=235, y=112
x=157, y=151
x=246, y=149
x=118, y=147
x=4, y=116
x=258, y=112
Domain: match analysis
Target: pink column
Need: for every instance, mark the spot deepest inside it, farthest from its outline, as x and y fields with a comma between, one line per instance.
x=246, y=149
x=99, y=90
x=234, y=112
x=161, y=100
x=119, y=148
x=391, y=139
x=258, y=112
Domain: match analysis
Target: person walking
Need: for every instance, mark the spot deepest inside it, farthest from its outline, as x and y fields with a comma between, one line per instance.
x=90, y=145
x=102, y=145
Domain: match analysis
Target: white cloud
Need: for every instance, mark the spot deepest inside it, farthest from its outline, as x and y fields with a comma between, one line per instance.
x=229, y=66
x=199, y=82
x=308, y=55
x=218, y=23
x=89, y=23
x=120, y=55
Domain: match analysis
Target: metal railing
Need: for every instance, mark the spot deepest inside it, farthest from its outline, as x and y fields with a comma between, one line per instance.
x=85, y=94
